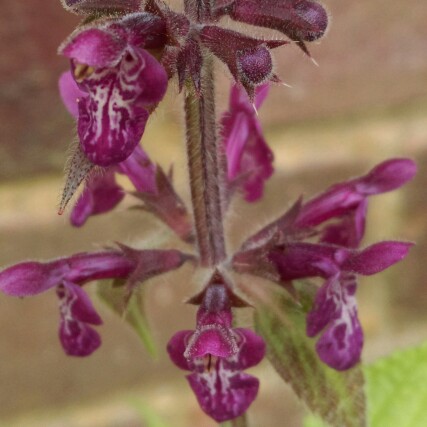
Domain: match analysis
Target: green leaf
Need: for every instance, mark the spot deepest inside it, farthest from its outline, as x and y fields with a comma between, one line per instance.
x=236, y=422
x=314, y=421
x=149, y=417
x=397, y=389
x=337, y=397
x=114, y=296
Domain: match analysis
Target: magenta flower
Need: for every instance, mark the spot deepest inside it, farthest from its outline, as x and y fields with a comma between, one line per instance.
x=249, y=159
x=101, y=195
x=335, y=311
x=347, y=202
x=123, y=82
x=336, y=218
x=68, y=275
x=216, y=354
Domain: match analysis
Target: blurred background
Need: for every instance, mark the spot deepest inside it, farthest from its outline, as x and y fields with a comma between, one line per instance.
x=366, y=101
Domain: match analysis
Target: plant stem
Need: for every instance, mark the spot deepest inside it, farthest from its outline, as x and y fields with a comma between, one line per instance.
x=236, y=422
x=205, y=167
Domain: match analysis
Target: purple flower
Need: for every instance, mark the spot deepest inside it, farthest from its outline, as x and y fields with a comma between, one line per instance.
x=249, y=159
x=347, y=202
x=101, y=194
x=335, y=311
x=216, y=354
x=123, y=82
x=67, y=275
x=336, y=218
x=140, y=170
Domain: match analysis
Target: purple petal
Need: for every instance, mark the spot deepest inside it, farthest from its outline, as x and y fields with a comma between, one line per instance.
x=151, y=78
x=235, y=133
x=85, y=267
x=341, y=199
x=112, y=119
x=78, y=339
x=249, y=158
x=77, y=311
x=251, y=352
x=140, y=170
x=212, y=339
x=377, y=257
x=340, y=346
x=261, y=94
x=350, y=228
x=31, y=278
x=78, y=304
x=387, y=176
x=101, y=195
x=176, y=349
x=70, y=93
x=300, y=260
x=94, y=47
x=327, y=306
x=224, y=394
x=213, y=336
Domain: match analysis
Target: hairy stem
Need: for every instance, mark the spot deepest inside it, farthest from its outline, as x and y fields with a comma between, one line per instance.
x=205, y=168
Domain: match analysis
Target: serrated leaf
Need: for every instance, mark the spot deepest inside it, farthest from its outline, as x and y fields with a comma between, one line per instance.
x=114, y=296
x=337, y=397
x=397, y=389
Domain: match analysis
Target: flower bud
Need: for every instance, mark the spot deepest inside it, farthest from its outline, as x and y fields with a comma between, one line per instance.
x=248, y=59
x=300, y=20
x=255, y=65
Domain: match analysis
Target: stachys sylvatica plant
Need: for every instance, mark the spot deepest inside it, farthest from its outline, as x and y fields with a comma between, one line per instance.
x=122, y=57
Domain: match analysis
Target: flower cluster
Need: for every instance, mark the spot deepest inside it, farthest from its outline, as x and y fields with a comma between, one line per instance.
x=321, y=238
x=121, y=59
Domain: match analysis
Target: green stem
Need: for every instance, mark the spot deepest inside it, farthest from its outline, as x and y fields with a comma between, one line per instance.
x=242, y=421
